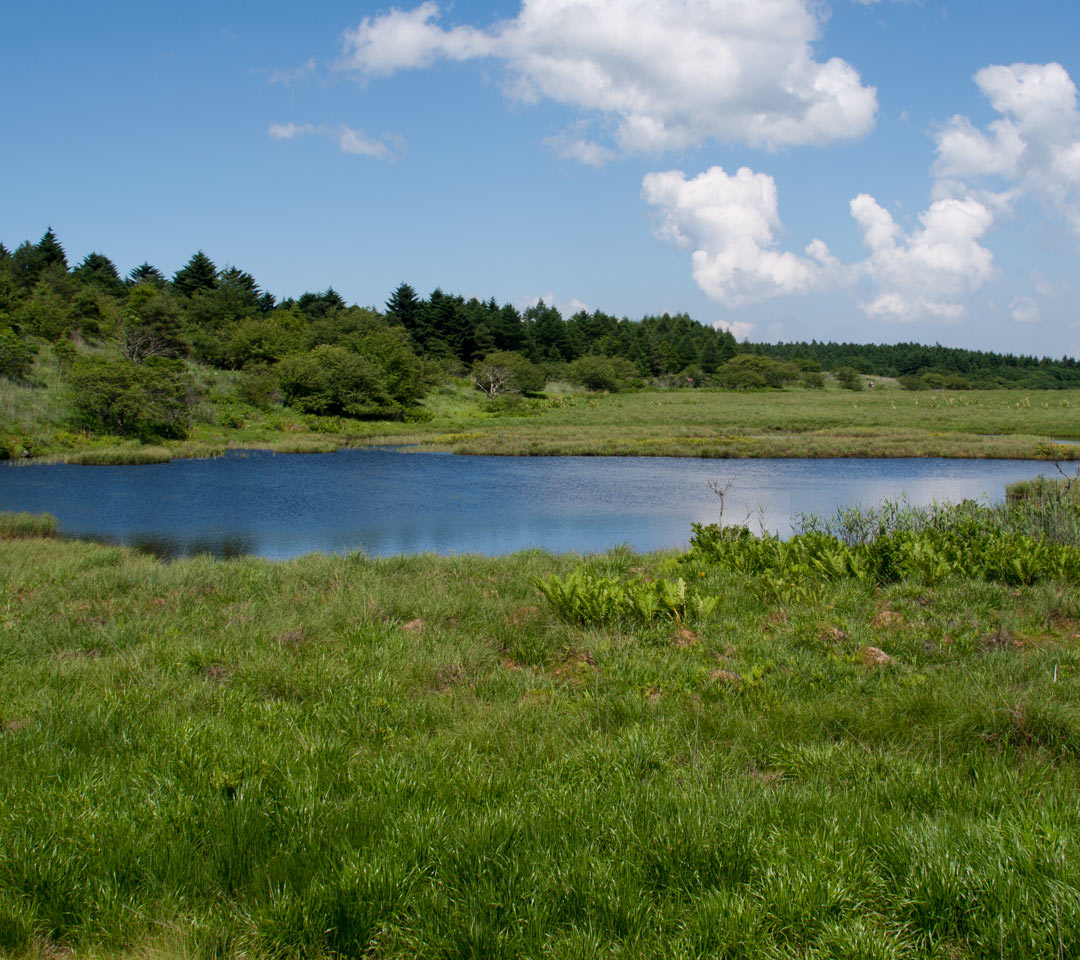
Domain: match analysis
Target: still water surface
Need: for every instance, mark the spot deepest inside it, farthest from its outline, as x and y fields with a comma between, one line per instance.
x=386, y=502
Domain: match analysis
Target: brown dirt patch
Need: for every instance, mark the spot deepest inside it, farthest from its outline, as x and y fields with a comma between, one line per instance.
x=873, y=657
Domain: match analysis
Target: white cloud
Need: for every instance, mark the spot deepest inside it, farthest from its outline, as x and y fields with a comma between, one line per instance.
x=584, y=151
x=291, y=76
x=729, y=224
x=929, y=271
x=1045, y=287
x=739, y=329
x=387, y=147
x=1034, y=145
x=567, y=308
x=669, y=74
x=1025, y=310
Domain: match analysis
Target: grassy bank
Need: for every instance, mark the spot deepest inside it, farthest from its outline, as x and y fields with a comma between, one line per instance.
x=793, y=422
x=419, y=757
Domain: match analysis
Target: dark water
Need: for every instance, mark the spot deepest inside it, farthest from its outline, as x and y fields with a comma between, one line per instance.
x=385, y=502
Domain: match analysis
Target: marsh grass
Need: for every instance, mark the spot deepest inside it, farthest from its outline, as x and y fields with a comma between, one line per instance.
x=342, y=756
x=13, y=525
x=119, y=455
x=304, y=445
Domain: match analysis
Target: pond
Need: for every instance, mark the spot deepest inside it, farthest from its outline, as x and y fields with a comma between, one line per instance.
x=387, y=502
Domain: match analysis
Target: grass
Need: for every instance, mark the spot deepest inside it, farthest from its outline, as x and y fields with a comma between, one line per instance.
x=15, y=525
x=416, y=757
x=885, y=422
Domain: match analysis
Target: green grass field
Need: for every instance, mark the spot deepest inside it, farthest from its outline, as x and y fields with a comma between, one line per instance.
x=795, y=422
x=342, y=756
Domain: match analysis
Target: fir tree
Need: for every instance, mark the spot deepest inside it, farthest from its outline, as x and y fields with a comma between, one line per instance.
x=199, y=273
x=145, y=273
x=50, y=252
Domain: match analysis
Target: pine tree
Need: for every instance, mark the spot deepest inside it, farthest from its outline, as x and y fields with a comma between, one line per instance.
x=99, y=271
x=199, y=273
x=145, y=273
x=50, y=252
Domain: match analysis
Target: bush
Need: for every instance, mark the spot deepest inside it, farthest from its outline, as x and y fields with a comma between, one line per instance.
x=334, y=380
x=258, y=385
x=600, y=373
x=16, y=355
x=749, y=371
x=143, y=400
x=849, y=379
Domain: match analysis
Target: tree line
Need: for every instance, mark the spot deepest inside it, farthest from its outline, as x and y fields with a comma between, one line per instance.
x=322, y=356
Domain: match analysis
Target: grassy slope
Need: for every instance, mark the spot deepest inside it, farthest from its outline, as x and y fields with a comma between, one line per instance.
x=411, y=757
x=886, y=421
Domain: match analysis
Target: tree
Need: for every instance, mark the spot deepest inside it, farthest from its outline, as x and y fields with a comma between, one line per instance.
x=98, y=271
x=199, y=273
x=145, y=273
x=404, y=307
x=149, y=400
x=504, y=371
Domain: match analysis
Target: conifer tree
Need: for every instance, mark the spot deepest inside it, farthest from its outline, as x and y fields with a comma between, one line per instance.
x=50, y=252
x=145, y=273
x=99, y=271
x=199, y=273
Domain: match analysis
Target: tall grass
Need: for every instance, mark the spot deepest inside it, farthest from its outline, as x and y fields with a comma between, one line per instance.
x=13, y=525
x=342, y=756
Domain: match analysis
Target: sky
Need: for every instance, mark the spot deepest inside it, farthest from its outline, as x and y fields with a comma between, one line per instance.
x=860, y=170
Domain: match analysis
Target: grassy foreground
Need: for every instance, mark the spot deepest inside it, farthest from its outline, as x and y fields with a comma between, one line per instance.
x=414, y=757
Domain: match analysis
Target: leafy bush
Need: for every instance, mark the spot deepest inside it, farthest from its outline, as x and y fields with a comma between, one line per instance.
x=600, y=373
x=334, y=380
x=750, y=371
x=849, y=379
x=258, y=385
x=16, y=355
x=144, y=400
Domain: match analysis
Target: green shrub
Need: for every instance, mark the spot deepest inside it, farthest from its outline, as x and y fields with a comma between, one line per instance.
x=143, y=400
x=16, y=355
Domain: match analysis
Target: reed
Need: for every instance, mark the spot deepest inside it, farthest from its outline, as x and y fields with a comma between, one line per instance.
x=15, y=525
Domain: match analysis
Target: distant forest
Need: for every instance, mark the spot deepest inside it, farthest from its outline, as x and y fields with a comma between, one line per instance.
x=224, y=318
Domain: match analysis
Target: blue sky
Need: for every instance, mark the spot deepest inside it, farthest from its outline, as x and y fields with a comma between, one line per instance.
x=790, y=169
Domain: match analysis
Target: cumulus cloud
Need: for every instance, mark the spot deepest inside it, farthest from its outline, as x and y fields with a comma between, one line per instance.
x=928, y=271
x=1025, y=310
x=1034, y=146
x=739, y=329
x=584, y=151
x=667, y=74
x=730, y=225
x=387, y=147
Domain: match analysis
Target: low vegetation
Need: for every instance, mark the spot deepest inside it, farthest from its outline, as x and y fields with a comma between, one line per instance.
x=750, y=750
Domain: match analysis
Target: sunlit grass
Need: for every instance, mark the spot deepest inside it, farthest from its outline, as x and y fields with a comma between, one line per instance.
x=414, y=756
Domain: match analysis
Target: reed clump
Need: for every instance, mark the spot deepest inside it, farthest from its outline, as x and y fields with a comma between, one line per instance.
x=119, y=456
x=16, y=525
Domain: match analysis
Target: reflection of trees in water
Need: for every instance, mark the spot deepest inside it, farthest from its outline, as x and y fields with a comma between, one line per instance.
x=166, y=547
